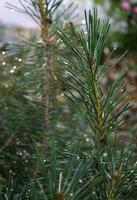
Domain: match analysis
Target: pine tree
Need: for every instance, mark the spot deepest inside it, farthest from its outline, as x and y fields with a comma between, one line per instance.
x=102, y=109
x=30, y=95
x=104, y=169
x=48, y=15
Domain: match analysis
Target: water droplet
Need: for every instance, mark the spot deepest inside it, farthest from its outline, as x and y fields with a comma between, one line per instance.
x=4, y=63
x=62, y=95
x=14, y=67
x=87, y=140
x=19, y=59
x=12, y=71
x=80, y=181
x=65, y=63
x=78, y=157
x=3, y=53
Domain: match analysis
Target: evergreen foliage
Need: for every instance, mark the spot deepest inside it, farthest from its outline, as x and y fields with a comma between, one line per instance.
x=100, y=108
x=23, y=89
x=97, y=168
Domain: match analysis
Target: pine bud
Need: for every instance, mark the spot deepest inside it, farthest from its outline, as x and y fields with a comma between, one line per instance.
x=59, y=196
x=116, y=175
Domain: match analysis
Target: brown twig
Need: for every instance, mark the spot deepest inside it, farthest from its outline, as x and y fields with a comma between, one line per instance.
x=46, y=75
x=46, y=68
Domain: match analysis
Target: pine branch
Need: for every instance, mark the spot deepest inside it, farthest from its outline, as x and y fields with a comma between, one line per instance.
x=47, y=64
x=69, y=179
x=100, y=107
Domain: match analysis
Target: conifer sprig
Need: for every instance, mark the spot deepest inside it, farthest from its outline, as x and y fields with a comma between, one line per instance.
x=70, y=179
x=100, y=108
x=105, y=173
